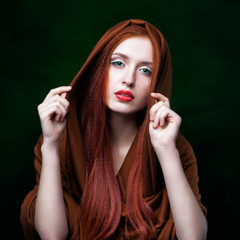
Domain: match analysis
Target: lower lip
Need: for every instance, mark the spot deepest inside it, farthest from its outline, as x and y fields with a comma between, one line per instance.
x=124, y=98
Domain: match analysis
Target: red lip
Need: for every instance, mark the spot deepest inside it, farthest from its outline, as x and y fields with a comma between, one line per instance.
x=126, y=96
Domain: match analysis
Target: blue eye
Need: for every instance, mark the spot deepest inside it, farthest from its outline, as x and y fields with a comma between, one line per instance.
x=118, y=63
x=146, y=71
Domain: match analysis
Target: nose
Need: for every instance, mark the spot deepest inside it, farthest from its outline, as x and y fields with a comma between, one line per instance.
x=129, y=78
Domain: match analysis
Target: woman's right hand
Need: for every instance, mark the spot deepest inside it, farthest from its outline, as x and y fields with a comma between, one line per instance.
x=52, y=112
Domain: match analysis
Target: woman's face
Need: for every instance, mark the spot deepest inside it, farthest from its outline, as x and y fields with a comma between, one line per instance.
x=130, y=75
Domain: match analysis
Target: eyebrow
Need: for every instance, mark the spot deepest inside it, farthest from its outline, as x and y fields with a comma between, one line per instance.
x=126, y=57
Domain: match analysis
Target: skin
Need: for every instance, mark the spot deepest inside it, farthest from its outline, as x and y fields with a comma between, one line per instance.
x=132, y=72
x=188, y=217
x=50, y=217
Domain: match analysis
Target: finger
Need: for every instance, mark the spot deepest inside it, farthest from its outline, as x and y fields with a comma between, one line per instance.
x=57, y=91
x=160, y=97
x=63, y=95
x=62, y=100
x=55, y=108
x=163, y=117
x=160, y=116
x=154, y=109
x=56, y=98
x=156, y=121
x=61, y=115
x=49, y=113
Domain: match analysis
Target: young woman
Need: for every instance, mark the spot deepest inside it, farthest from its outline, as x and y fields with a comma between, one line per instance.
x=111, y=163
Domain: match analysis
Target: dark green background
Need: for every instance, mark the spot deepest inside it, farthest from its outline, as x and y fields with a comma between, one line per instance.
x=44, y=43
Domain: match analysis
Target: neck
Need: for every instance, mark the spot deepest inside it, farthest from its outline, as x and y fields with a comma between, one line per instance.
x=123, y=131
x=123, y=128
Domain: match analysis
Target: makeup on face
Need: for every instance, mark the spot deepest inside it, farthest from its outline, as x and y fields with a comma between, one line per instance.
x=130, y=74
x=123, y=95
x=120, y=60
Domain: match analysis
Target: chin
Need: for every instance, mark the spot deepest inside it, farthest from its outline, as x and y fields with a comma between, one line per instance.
x=125, y=107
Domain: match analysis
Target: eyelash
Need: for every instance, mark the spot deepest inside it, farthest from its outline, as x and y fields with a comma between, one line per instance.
x=145, y=70
x=117, y=63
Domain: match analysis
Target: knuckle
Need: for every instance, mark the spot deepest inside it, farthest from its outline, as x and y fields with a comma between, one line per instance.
x=58, y=97
x=53, y=91
x=57, y=103
x=65, y=103
x=166, y=107
x=151, y=110
x=161, y=103
x=39, y=107
x=54, y=108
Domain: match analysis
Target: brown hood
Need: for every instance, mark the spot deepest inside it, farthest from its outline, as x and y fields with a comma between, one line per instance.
x=161, y=79
x=161, y=82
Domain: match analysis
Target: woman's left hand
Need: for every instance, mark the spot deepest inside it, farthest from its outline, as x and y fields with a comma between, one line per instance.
x=164, y=123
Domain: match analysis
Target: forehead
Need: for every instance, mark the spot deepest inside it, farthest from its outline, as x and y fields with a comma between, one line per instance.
x=139, y=47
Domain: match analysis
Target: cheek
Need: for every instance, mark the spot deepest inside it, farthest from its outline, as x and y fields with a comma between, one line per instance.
x=109, y=81
x=109, y=86
x=146, y=89
x=145, y=101
x=145, y=94
x=107, y=92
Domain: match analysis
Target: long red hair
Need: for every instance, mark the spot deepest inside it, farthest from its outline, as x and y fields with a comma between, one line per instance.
x=101, y=204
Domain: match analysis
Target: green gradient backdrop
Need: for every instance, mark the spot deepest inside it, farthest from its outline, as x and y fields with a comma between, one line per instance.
x=46, y=42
